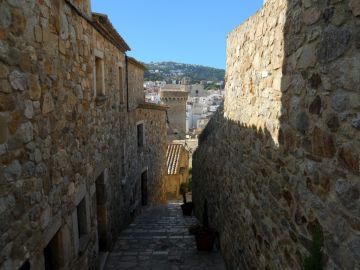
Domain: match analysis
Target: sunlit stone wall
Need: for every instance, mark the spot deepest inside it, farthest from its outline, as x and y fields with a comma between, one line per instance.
x=281, y=161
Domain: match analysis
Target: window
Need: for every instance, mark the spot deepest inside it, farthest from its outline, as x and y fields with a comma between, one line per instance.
x=120, y=82
x=99, y=77
x=140, y=134
x=82, y=219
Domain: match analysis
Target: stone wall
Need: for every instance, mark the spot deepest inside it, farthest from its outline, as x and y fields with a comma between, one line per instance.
x=67, y=152
x=284, y=151
x=151, y=157
x=136, y=82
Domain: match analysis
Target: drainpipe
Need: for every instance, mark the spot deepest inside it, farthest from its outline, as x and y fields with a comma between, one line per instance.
x=127, y=82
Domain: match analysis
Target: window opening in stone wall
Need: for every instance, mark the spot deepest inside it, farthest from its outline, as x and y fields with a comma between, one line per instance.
x=25, y=266
x=53, y=254
x=120, y=82
x=140, y=135
x=99, y=77
x=82, y=219
x=144, y=189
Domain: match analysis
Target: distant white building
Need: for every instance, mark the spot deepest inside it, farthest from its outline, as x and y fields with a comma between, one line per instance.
x=152, y=98
x=213, y=108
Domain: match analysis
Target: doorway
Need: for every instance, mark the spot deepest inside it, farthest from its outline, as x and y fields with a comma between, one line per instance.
x=53, y=254
x=144, y=189
x=101, y=209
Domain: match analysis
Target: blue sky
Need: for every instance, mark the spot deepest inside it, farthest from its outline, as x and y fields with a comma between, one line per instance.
x=185, y=31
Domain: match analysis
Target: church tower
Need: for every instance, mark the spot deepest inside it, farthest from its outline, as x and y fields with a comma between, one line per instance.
x=175, y=97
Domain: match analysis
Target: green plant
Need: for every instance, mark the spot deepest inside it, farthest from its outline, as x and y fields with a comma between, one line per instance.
x=190, y=184
x=184, y=188
x=314, y=261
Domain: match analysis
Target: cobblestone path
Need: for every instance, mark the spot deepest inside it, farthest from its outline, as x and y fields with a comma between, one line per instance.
x=159, y=240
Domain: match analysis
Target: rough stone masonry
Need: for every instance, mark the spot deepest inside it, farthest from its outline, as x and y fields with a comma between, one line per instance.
x=281, y=160
x=80, y=151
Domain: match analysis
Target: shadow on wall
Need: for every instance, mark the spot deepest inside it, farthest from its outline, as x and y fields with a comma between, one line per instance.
x=284, y=162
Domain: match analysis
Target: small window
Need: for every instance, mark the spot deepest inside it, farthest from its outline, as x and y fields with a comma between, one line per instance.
x=82, y=218
x=99, y=77
x=140, y=135
x=120, y=82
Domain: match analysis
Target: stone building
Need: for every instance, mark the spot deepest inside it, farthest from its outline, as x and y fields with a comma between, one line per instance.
x=197, y=90
x=80, y=150
x=175, y=97
x=177, y=162
x=280, y=162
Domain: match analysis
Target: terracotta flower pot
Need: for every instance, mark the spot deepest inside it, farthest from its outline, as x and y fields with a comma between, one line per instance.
x=205, y=239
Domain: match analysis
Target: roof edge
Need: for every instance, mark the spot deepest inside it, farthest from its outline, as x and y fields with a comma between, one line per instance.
x=137, y=63
x=152, y=106
x=106, y=28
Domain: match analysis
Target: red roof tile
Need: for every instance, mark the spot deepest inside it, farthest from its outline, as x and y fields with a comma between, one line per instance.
x=173, y=154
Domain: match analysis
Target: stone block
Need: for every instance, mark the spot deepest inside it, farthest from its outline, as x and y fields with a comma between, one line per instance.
x=302, y=122
x=354, y=247
x=315, y=106
x=348, y=194
x=3, y=129
x=339, y=102
x=48, y=103
x=4, y=71
x=18, y=22
x=323, y=143
x=311, y=15
x=349, y=158
x=26, y=131
x=29, y=110
x=18, y=80
x=355, y=7
x=355, y=122
x=5, y=16
x=334, y=43
x=332, y=122
x=13, y=171
x=7, y=102
x=307, y=56
x=35, y=89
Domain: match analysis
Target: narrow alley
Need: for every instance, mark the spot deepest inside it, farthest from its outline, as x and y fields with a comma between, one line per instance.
x=159, y=239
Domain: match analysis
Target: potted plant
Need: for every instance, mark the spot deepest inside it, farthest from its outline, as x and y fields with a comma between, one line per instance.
x=186, y=207
x=204, y=235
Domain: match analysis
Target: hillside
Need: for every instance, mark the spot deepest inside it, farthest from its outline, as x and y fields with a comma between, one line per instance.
x=168, y=71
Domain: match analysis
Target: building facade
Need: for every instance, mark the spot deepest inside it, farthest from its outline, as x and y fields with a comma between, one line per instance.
x=80, y=151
